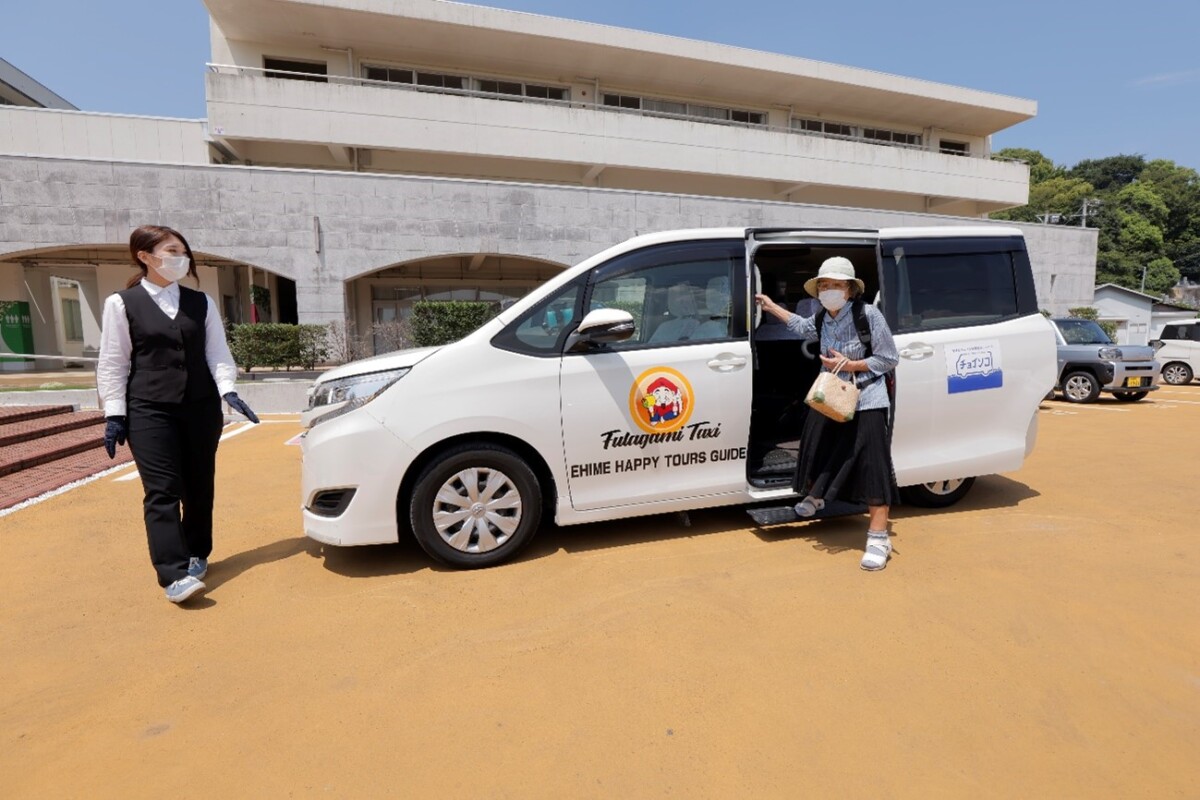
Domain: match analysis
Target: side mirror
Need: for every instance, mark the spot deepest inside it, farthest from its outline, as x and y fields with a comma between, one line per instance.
x=603, y=326
x=1157, y=344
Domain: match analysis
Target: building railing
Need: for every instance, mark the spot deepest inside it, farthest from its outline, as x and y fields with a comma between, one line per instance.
x=343, y=80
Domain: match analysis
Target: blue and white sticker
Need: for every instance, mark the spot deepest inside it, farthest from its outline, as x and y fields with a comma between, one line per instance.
x=973, y=367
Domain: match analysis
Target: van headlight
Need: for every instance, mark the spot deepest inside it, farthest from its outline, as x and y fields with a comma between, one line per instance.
x=1109, y=353
x=343, y=395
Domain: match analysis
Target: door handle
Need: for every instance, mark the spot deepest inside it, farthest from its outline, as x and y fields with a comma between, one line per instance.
x=727, y=363
x=917, y=352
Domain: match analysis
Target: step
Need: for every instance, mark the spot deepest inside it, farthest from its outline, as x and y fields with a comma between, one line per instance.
x=27, y=483
x=50, y=448
x=26, y=430
x=10, y=414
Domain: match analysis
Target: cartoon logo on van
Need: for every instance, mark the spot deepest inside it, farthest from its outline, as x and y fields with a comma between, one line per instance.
x=661, y=400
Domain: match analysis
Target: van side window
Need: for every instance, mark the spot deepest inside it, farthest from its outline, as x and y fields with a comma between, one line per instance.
x=541, y=330
x=677, y=294
x=937, y=290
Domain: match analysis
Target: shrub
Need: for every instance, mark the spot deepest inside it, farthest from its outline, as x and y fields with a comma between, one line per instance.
x=441, y=322
x=277, y=345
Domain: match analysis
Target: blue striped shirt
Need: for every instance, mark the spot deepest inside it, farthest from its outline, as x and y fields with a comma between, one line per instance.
x=838, y=333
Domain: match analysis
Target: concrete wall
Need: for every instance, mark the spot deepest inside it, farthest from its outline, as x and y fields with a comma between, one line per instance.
x=321, y=229
x=278, y=110
x=78, y=134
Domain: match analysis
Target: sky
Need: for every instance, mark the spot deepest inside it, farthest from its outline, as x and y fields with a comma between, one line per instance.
x=1109, y=76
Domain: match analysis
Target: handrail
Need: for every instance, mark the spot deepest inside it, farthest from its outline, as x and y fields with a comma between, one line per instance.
x=344, y=80
x=50, y=358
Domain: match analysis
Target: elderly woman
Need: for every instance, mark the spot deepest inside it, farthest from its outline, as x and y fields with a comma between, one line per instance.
x=852, y=460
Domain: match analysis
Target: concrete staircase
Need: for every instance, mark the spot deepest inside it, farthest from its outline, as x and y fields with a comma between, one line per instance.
x=45, y=447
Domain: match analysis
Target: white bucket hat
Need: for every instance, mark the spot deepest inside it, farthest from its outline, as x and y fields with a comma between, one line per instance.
x=834, y=269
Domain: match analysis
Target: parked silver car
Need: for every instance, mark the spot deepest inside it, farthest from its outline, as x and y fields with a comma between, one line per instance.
x=1090, y=363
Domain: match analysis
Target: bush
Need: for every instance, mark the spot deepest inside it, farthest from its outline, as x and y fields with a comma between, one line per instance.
x=441, y=322
x=277, y=345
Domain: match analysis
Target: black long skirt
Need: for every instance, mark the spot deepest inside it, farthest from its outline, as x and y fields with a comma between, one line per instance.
x=849, y=461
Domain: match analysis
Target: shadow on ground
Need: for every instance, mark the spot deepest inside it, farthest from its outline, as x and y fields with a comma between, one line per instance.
x=832, y=535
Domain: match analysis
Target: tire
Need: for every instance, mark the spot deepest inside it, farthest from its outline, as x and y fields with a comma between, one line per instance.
x=497, y=516
x=1080, y=387
x=939, y=494
x=1177, y=373
x=1130, y=397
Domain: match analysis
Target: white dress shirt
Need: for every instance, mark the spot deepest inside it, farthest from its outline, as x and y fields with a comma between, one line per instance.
x=112, y=373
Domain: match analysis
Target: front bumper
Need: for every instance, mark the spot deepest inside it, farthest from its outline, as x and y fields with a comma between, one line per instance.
x=1145, y=374
x=352, y=453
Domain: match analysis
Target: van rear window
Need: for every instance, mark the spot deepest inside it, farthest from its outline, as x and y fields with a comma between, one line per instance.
x=932, y=291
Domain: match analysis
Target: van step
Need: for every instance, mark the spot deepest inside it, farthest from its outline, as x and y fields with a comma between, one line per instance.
x=765, y=516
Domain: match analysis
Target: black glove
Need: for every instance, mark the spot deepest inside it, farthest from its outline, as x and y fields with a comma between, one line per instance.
x=114, y=434
x=238, y=405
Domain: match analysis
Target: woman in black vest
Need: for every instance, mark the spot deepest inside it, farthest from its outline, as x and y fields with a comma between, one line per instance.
x=164, y=367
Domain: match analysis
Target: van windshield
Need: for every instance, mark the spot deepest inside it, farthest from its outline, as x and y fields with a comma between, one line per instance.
x=1082, y=331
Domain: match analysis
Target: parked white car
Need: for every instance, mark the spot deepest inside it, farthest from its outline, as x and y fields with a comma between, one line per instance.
x=1178, y=349
x=645, y=381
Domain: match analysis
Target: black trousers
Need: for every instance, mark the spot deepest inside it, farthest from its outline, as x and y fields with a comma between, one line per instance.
x=175, y=448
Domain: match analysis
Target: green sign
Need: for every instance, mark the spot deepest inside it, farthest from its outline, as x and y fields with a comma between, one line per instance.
x=16, y=330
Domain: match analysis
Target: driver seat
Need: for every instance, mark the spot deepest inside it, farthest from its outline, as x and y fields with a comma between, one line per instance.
x=681, y=305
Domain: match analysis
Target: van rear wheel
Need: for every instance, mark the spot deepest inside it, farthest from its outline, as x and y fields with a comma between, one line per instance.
x=938, y=494
x=475, y=506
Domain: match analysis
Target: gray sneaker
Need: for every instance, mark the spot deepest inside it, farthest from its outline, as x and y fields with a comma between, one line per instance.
x=197, y=567
x=184, y=588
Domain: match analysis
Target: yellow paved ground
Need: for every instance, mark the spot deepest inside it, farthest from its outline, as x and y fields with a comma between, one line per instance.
x=1040, y=640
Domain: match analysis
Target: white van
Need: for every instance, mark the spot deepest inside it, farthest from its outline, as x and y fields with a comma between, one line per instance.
x=644, y=380
x=1178, y=350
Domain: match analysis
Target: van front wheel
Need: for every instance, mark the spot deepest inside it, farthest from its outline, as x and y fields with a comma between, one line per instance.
x=475, y=506
x=938, y=494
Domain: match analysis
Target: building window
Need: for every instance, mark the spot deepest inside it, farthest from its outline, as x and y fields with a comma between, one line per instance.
x=310, y=70
x=502, y=87
x=545, y=92
x=748, y=117
x=622, y=101
x=441, y=81
x=895, y=137
x=665, y=107
x=955, y=148
x=72, y=320
x=389, y=74
x=821, y=126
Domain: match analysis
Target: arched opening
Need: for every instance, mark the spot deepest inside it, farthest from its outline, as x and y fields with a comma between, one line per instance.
x=379, y=304
x=53, y=299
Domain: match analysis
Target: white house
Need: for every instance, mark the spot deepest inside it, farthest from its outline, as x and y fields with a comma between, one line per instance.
x=1139, y=317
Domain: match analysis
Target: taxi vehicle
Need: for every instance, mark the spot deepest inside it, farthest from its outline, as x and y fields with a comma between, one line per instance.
x=645, y=380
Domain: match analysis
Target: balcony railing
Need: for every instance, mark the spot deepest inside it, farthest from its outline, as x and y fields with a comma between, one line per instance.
x=343, y=80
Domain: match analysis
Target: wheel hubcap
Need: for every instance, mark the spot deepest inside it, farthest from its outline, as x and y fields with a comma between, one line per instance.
x=1175, y=375
x=944, y=487
x=477, y=510
x=1078, y=388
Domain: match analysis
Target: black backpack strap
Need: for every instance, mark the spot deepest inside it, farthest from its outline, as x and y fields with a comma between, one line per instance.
x=819, y=321
x=859, y=311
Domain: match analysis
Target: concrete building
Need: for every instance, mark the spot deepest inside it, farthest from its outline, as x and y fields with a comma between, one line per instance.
x=362, y=154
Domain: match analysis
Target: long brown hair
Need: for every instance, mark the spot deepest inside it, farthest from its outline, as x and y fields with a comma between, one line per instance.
x=147, y=237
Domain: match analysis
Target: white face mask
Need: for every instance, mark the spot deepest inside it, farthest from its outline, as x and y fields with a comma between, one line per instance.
x=832, y=299
x=173, y=268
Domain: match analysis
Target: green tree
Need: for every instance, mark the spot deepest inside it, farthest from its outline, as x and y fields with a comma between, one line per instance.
x=1109, y=173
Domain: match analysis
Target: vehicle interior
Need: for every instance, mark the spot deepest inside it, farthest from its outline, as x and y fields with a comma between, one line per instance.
x=786, y=365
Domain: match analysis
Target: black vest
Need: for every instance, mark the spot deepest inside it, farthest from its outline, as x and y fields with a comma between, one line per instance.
x=167, y=364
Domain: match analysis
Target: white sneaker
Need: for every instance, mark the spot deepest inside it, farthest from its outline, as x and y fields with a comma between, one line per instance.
x=879, y=548
x=184, y=588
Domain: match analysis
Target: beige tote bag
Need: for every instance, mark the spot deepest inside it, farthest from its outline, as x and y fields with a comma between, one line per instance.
x=832, y=396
